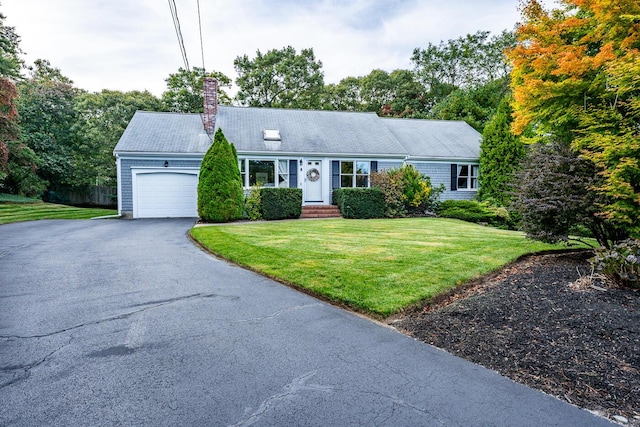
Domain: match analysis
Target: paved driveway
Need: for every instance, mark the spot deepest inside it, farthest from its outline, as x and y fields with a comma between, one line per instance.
x=128, y=323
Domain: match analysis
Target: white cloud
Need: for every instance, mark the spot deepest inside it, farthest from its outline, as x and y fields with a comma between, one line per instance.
x=131, y=45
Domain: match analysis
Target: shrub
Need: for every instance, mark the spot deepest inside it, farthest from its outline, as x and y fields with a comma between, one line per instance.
x=281, y=203
x=406, y=190
x=392, y=189
x=554, y=193
x=473, y=211
x=220, y=194
x=621, y=263
x=362, y=203
x=253, y=204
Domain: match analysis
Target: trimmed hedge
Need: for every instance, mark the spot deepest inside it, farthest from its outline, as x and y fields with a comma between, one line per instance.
x=473, y=211
x=281, y=203
x=360, y=203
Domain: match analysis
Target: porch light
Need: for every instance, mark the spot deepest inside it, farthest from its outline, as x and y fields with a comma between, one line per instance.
x=166, y=163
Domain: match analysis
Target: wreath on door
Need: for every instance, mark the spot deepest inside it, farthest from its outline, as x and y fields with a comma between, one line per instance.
x=313, y=174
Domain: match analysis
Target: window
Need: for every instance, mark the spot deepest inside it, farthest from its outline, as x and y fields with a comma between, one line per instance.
x=467, y=177
x=354, y=174
x=283, y=173
x=264, y=172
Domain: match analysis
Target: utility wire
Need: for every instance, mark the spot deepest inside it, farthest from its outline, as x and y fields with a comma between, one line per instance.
x=183, y=51
x=201, y=44
x=176, y=24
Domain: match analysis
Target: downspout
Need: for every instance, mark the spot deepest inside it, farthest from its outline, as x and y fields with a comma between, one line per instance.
x=119, y=183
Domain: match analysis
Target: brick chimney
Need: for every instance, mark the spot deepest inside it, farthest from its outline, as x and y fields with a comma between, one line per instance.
x=210, y=104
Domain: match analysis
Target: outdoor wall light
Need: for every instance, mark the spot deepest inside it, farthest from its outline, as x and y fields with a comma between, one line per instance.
x=166, y=163
x=300, y=162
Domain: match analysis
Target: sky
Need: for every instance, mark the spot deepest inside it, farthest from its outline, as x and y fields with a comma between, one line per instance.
x=132, y=44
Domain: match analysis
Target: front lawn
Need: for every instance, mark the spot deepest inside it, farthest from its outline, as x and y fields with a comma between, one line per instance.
x=374, y=266
x=16, y=212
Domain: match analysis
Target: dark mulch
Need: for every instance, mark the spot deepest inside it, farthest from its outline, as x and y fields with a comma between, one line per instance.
x=543, y=322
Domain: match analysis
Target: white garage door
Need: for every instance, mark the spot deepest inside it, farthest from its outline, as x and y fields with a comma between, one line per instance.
x=165, y=195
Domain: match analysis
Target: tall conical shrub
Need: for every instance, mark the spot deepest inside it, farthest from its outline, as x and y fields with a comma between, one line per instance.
x=220, y=194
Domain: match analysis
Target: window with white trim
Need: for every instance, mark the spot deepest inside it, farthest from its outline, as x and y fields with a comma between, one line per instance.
x=264, y=173
x=468, y=177
x=354, y=174
x=283, y=173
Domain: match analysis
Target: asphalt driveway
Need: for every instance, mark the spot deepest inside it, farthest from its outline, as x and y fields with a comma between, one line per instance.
x=116, y=322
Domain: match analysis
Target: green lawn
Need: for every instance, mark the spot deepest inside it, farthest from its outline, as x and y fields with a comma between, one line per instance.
x=16, y=212
x=374, y=266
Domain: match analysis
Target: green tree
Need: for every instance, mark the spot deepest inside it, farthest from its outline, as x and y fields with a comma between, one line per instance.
x=468, y=61
x=475, y=104
x=408, y=99
x=280, y=79
x=575, y=77
x=10, y=62
x=45, y=106
x=220, y=194
x=500, y=156
x=344, y=96
x=101, y=118
x=184, y=92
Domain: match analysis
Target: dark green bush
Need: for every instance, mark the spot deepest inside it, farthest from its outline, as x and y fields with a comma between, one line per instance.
x=360, y=202
x=473, y=211
x=281, y=203
x=220, y=194
x=621, y=263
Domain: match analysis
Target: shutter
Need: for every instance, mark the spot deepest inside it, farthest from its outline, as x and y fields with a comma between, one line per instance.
x=335, y=174
x=293, y=174
x=374, y=166
x=454, y=177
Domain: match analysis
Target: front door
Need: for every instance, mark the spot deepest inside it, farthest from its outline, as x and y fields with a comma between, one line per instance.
x=313, y=181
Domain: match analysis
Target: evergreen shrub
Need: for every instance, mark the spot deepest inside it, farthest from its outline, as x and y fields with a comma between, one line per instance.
x=220, y=194
x=281, y=203
x=361, y=203
x=473, y=211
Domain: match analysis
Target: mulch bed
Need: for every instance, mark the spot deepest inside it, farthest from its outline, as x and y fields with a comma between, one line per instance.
x=544, y=321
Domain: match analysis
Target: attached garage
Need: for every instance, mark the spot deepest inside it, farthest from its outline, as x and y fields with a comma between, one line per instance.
x=165, y=193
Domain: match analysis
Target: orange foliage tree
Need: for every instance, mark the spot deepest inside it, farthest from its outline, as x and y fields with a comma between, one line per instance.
x=576, y=78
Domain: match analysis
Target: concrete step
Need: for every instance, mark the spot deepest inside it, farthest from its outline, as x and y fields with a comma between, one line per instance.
x=320, y=212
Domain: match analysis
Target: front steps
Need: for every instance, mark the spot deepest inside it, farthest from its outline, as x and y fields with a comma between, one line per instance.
x=322, y=211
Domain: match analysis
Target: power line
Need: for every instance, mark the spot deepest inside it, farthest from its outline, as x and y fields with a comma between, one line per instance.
x=201, y=44
x=176, y=24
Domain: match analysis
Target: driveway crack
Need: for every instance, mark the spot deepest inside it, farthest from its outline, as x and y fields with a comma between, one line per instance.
x=143, y=307
x=296, y=386
x=26, y=369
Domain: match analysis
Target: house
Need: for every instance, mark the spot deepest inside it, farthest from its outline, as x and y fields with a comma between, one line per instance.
x=159, y=154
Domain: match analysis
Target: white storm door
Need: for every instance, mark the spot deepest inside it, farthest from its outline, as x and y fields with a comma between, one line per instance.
x=313, y=181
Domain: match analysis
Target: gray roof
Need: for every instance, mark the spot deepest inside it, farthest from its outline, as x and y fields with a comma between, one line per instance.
x=302, y=132
x=151, y=132
x=436, y=138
